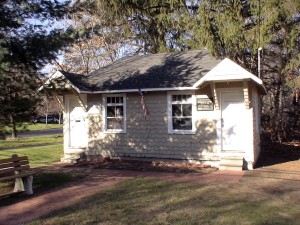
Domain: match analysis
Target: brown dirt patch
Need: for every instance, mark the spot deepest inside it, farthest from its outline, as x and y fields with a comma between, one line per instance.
x=153, y=166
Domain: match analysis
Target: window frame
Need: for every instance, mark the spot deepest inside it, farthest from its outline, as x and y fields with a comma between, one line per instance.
x=170, y=115
x=105, y=105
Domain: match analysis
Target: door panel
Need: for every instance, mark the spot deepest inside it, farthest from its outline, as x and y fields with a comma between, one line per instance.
x=77, y=125
x=232, y=120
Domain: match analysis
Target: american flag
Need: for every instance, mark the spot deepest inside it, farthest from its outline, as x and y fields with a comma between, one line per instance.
x=145, y=109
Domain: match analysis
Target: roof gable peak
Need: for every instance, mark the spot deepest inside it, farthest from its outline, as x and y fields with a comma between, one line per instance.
x=228, y=70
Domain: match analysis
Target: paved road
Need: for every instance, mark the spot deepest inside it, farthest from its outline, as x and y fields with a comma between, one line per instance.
x=39, y=133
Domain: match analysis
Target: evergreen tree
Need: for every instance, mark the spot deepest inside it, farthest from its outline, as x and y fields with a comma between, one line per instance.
x=26, y=44
x=280, y=39
x=237, y=29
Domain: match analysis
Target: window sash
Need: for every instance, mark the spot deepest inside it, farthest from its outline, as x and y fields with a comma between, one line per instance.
x=181, y=109
x=114, y=113
x=182, y=123
x=182, y=120
x=114, y=123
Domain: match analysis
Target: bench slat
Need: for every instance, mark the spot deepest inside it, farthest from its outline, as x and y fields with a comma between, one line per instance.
x=13, y=159
x=14, y=164
x=13, y=169
x=25, y=174
x=16, y=167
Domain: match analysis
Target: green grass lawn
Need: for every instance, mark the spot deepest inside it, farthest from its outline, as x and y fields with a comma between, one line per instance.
x=31, y=127
x=38, y=156
x=142, y=201
x=28, y=141
x=40, y=126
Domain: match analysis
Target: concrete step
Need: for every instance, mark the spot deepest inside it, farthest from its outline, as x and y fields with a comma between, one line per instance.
x=232, y=154
x=68, y=160
x=232, y=161
x=74, y=150
x=234, y=168
x=229, y=162
x=72, y=156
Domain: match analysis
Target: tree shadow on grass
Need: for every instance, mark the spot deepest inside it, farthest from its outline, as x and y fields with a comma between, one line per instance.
x=43, y=182
x=142, y=201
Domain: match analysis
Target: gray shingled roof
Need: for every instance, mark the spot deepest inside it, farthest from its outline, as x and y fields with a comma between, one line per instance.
x=171, y=70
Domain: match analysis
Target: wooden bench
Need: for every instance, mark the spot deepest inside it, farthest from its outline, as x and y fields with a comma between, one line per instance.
x=16, y=169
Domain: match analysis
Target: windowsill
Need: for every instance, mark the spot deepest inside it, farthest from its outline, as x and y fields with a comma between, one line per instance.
x=182, y=132
x=114, y=132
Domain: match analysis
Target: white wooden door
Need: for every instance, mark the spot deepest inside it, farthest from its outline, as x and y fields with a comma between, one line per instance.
x=77, y=125
x=232, y=120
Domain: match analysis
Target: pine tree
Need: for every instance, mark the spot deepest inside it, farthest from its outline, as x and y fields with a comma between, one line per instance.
x=280, y=38
x=237, y=29
x=26, y=44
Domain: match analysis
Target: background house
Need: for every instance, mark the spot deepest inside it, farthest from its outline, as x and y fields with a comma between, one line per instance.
x=186, y=106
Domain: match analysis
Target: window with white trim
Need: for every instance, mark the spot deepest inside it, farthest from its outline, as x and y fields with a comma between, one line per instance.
x=114, y=113
x=181, y=113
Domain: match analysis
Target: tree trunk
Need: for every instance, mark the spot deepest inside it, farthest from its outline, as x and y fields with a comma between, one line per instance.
x=280, y=128
x=277, y=124
x=46, y=122
x=13, y=126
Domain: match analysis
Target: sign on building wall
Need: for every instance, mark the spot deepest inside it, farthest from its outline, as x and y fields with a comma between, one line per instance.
x=204, y=104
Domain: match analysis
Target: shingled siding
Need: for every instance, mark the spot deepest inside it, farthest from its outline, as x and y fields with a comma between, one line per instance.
x=150, y=138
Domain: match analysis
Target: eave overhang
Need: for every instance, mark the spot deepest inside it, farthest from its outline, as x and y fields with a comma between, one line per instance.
x=58, y=82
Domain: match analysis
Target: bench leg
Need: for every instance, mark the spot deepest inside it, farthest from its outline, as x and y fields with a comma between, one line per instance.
x=19, y=186
x=28, y=184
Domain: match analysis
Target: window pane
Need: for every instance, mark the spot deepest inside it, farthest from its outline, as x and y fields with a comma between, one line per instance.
x=111, y=111
x=115, y=113
x=119, y=111
x=187, y=110
x=113, y=123
x=110, y=123
x=182, y=123
x=179, y=98
x=176, y=110
x=174, y=98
